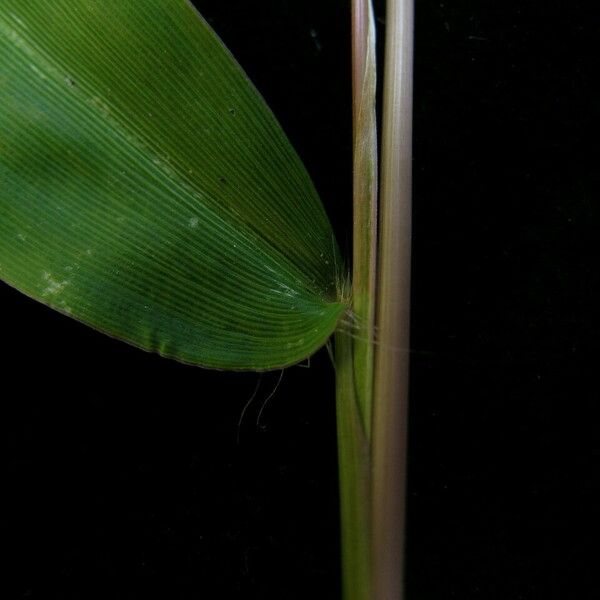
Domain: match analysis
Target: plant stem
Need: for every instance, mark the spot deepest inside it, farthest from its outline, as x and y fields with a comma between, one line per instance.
x=355, y=354
x=354, y=477
x=364, y=90
x=393, y=309
x=372, y=380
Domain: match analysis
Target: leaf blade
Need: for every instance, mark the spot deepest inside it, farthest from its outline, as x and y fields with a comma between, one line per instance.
x=213, y=253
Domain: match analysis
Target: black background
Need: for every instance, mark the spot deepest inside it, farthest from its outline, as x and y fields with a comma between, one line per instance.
x=122, y=473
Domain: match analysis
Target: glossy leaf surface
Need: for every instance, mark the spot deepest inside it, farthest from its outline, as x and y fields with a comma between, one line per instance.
x=147, y=190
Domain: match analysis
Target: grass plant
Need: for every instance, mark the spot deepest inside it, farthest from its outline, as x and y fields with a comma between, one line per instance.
x=147, y=191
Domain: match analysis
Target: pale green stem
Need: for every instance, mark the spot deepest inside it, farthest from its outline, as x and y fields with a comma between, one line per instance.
x=354, y=353
x=354, y=477
x=364, y=88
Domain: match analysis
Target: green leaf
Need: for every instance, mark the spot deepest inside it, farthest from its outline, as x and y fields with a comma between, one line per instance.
x=147, y=190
